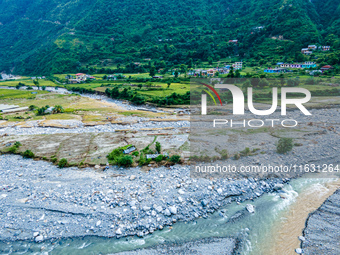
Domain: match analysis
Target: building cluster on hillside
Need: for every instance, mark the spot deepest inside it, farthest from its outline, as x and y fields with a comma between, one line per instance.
x=211, y=72
x=115, y=76
x=79, y=78
x=307, y=64
x=38, y=77
x=283, y=67
x=4, y=76
x=309, y=50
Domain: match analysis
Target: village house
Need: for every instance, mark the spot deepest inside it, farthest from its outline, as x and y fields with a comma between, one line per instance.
x=223, y=70
x=307, y=64
x=274, y=70
x=194, y=72
x=81, y=77
x=326, y=48
x=315, y=72
x=237, y=65
x=73, y=81
x=303, y=50
x=306, y=51
x=211, y=72
x=233, y=41
x=115, y=76
x=5, y=76
x=312, y=47
x=326, y=68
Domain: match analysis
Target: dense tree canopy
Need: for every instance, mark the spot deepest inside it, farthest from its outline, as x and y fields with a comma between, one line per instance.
x=59, y=36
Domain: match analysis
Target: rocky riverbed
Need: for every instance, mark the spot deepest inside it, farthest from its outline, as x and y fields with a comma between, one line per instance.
x=322, y=232
x=79, y=128
x=211, y=246
x=39, y=201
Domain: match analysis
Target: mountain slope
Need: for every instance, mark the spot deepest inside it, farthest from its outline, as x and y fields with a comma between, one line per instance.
x=40, y=37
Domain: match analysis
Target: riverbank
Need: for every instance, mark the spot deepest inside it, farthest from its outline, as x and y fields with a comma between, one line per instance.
x=289, y=227
x=41, y=200
x=211, y=246
x=322, y=232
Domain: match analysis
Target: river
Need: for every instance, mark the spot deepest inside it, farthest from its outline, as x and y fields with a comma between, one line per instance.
x=273, y=229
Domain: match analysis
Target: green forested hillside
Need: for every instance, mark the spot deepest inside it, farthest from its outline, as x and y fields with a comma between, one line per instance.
x=59, y=36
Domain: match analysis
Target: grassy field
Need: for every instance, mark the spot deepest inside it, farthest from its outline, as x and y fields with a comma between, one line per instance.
x=75, y=106
x=19, y=94
x=29, y=82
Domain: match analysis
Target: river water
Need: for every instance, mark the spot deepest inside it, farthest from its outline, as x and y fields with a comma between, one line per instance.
x=273, y=229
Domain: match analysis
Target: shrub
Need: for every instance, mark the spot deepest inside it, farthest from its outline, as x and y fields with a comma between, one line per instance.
x=159, y=158
x=62, y=163
x=58, y=109
x=17, y=144
x=224, y=154
x=138, y=100
x=32, y=107
x=54, y=159
x=284, y=145
x=117, y=153
x=142, y=159
x=125, y=161
x=135, y=153
x=13, y=149
x=237, y=156
x=175, y=158
x=158, y=147
x=28, y=154
x=245, y=152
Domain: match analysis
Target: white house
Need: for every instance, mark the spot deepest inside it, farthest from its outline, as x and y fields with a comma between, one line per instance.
x=237, y=65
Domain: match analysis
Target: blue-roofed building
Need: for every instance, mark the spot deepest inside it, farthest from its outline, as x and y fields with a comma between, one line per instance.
x=274, y=70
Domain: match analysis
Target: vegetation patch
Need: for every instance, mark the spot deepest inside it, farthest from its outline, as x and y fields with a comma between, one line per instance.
x=284, y=145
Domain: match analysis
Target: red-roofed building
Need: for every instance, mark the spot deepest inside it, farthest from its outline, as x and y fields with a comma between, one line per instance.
x=81, y=76
x=233, y=41
x=326, y=68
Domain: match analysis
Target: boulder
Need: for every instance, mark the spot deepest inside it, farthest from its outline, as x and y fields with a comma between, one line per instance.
x=173, y=209
x=39, y=239
x=250, y=208
x=298, y=250
x=204, y=203
x=167, y=212
x=158, y=208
